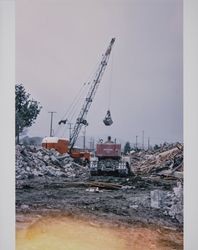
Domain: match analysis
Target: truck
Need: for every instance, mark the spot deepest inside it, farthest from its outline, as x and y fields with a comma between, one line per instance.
x=108, y=160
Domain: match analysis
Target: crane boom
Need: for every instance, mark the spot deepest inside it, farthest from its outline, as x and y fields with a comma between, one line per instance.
x=81, y=120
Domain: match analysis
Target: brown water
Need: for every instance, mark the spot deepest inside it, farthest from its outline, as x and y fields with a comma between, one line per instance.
x=63, y=233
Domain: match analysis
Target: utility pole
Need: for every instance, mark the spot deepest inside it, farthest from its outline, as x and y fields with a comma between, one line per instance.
x=51, y=112
x=84, y=134
x=148, y=143
x=70, y=128
x=93, y=144
x=136, y=141
x=143, y=139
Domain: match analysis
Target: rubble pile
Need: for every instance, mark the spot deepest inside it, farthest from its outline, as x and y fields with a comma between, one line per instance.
x=38, y=162
x=170, y=202
x=164, y=162
x=176, y=208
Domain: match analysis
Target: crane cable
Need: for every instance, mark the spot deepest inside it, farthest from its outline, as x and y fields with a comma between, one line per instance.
x=72, y=109
x=88, y=82
x=110, y=83
x=76, y=104
x=76, y=98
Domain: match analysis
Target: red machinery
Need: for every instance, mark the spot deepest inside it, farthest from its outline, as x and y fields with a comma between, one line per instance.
x=108, y=160
x=109, y=149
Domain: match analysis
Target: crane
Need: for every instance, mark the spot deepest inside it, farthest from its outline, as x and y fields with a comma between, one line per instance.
x=67, y=146
x=81, y=119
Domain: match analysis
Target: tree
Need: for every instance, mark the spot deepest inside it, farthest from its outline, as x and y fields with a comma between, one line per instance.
x=156, y=147
x=27, y=110
x=127, y=147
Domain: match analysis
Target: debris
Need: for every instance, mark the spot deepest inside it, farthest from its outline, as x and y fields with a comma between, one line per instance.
x=134, y=206
x=176, y=209
x=39, y=162
x=24, y=207
x=105, y=185
x=95, y=190
x=163, y=163
x=155, y=198
x=153, y=194
x=178, y=175
x=170, y=202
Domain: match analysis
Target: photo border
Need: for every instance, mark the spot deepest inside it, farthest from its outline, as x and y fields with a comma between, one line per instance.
x=7, y=147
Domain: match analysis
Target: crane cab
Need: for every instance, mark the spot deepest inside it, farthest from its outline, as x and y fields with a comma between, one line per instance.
x=59, y=144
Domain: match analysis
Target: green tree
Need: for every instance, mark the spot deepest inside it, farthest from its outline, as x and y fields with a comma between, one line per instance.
x=27, y=110
x=156, y=147
x=127, y=147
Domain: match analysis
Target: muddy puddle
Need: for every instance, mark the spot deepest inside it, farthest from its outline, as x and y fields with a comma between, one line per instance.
x=66, y=233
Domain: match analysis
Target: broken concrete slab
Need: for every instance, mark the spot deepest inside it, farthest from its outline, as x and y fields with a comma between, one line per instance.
x=36, y=162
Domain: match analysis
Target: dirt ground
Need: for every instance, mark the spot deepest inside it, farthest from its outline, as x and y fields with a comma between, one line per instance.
x=74, y=233
x=145, y=210
x=130, y=204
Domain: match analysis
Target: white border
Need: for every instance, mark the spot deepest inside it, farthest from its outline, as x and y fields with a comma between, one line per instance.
x=190, y=125
x=7, y=152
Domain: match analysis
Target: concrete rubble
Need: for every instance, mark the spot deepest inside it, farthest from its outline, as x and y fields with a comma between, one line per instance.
x=170, y=202
x=164, y=163
x=38, y=162
x=154, y=194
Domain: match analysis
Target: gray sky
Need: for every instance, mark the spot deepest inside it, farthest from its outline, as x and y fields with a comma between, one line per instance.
x=60, y=42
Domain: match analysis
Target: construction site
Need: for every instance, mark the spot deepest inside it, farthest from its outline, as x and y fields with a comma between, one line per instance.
x=134, y=198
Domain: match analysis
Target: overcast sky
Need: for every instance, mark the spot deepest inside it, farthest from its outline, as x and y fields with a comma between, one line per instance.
x=60, y=42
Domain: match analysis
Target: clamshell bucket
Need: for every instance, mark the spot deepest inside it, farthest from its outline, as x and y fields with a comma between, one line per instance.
x=108, y=120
